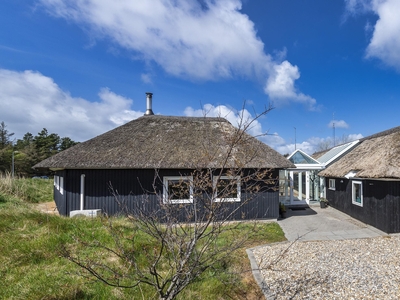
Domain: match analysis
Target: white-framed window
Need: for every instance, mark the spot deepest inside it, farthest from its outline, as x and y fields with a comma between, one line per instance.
x=61, y=185
x=332, y=184
x=357, y=193
x=178, y=189
x=57, y=182
x=227, y=188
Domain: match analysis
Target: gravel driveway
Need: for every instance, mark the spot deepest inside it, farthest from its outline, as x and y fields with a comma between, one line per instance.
x=353, y=261
x=345, y=269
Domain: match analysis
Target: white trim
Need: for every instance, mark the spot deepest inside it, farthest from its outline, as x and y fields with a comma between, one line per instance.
x=353, y=184
x=302, y=152
x=351, y=174
x=61, y=185
x=56, y=182
x=82, y=194
x=330, y=185
x=215, y=181
x=350, y=146
x=166, y=196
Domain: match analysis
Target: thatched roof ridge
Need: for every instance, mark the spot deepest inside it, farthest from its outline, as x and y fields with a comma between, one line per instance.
x=376, y=156
x=168, y=143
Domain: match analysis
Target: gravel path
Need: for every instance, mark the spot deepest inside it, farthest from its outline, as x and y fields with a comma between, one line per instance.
x=343, y=269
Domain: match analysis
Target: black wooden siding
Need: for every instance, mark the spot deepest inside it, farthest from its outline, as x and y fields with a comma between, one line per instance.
x=59, y=197
x=381, y=202
x=143, y=188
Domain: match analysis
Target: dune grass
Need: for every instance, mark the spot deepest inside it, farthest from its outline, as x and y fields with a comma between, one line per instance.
x=27, y=189
x=31, y=266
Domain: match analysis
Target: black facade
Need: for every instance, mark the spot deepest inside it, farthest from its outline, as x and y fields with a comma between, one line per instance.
x=143, y=189
x=380, y=204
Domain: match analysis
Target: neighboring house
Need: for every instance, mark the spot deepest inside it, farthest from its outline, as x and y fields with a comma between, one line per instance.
x=144, y=158
x=301, y=185
x=365, y=183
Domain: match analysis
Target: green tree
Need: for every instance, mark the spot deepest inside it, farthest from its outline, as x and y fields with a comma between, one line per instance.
x=46, y=144
x=66, y=143
x=5, y=136
x=26, y=141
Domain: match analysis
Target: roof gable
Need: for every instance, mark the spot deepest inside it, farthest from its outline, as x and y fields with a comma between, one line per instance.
x=300, y=157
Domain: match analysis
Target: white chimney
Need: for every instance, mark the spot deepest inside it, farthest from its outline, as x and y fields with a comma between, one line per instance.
x=149, y=98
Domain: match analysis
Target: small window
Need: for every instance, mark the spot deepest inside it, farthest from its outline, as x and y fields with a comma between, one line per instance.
x=178, y=189
x=57, y=182
x=227, y=188
x=332, y=184
x=357, y=194
x=61, y=185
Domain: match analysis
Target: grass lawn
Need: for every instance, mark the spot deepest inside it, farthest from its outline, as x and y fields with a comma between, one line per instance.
x=31, y=266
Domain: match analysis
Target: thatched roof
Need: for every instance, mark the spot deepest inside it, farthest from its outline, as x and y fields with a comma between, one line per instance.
x=376, y=156
x=168, y=143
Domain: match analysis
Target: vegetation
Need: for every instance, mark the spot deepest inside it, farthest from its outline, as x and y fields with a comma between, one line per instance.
x=26, y=189
x=32, y=267
x=29, y=150
x=186, y=218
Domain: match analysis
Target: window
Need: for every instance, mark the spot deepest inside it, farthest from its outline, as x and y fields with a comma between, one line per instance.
x=57, y=182
x=332, y=184
x=357, y=194
x=227, y=188
x=178, y=189
x=61, y=185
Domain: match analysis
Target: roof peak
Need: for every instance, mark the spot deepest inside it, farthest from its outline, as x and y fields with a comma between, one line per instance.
x=204, y=118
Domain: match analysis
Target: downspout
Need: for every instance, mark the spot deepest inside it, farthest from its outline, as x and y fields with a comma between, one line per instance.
x=82, y=190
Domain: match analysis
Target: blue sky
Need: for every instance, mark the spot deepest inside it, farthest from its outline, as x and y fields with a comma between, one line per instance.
x=80, y=68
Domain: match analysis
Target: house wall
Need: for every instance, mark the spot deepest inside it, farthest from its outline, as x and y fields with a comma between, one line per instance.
x=142, y=190
x=381, y=202
x=59, y=194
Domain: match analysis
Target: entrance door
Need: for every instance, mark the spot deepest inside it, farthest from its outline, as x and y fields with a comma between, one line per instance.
x=300, y=187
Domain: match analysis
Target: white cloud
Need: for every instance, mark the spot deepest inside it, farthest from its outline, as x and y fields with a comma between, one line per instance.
x=306, y=146
x=314, y=144
x=338, y=124
x=146, y=78
x=280, y=86
x=355, y=136
x=274, y=140
x=30, y=101
x=195, y=40
x=358, y=6
x=237, y=117
x=385, y=41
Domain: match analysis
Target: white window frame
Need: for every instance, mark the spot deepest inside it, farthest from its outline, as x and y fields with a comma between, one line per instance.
x=332, y=184
x=166, y=198
x=353, y=190
x=224, y=177
x=61, y=185
x=57, y=182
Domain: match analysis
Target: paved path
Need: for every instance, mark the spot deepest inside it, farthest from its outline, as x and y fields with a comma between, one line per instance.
x=315, y=223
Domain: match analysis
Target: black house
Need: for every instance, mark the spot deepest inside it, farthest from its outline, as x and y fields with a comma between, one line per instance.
x=145, y=160
x=365, y=183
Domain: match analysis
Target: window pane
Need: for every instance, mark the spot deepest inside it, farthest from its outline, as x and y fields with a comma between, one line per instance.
x=178, y=189
x=227, y=188
x=357, y=193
